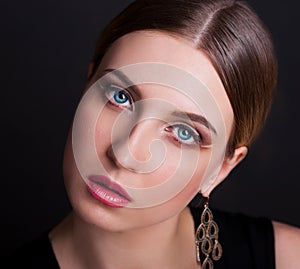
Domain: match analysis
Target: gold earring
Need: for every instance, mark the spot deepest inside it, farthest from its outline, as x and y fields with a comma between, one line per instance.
x=207, y=239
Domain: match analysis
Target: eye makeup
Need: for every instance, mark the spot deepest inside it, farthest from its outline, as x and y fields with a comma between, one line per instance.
x=185, y=128
x=119, y=97
x=117, y=77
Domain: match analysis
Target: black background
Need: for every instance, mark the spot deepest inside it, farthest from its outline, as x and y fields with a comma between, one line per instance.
x=45, y=48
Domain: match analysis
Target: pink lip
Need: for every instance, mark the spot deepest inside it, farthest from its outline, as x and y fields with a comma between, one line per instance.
x=108, y=192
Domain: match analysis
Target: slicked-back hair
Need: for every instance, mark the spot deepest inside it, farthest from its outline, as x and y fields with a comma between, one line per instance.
x=232, y=36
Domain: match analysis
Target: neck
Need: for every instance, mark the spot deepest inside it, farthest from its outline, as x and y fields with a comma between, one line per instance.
x=160, y=245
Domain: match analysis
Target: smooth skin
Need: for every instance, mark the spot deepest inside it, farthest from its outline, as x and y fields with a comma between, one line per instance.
x=97, y=236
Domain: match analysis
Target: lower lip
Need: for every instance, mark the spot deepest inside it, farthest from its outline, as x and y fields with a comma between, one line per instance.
x=106, y=196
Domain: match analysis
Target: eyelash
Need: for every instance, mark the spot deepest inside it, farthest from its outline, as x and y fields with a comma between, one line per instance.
x=112, y=92
x=175, y=130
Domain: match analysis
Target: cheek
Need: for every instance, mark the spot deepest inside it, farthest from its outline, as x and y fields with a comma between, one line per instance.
x=69, y=167
x=74, y=183
x=193, y=181
x=200, y=169
x=176, y=161
x=166, y=171
x=173, y=168
x=173, y=161
x=103, y=133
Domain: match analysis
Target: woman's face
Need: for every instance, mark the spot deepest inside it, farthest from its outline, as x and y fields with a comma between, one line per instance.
x=157, y=142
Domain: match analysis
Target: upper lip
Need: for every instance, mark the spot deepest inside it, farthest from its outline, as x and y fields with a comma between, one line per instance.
x=109, y=184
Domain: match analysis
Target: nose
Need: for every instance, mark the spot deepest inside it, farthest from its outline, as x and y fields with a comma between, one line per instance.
x=140, y=139
x=141, y=150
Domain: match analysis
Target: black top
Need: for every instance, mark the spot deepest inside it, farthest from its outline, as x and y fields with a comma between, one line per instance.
x=37, y=254
x=248, y=243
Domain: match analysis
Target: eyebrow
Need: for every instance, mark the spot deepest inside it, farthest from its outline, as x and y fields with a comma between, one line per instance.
x=192, y=116
x=120, y=75
x=196, y=118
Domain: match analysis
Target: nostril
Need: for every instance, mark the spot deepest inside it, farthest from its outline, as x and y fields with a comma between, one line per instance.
x=141, y=151
x=113, y=158
x=110, y=154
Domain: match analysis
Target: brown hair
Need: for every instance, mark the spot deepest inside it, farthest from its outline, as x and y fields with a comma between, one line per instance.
x=233, y=37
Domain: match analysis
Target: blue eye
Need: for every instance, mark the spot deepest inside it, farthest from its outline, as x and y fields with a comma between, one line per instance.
x=184, y=133
x=118, y=97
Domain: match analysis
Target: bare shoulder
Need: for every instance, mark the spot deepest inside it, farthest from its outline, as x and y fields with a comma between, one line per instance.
x=287, y=246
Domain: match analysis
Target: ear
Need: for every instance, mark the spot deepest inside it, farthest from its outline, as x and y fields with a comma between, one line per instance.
x=227, y=166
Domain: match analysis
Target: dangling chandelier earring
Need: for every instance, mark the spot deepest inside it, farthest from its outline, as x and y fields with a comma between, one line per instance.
x=207, y=239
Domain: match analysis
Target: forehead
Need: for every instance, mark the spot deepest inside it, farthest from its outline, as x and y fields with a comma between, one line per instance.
x=159, y=47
